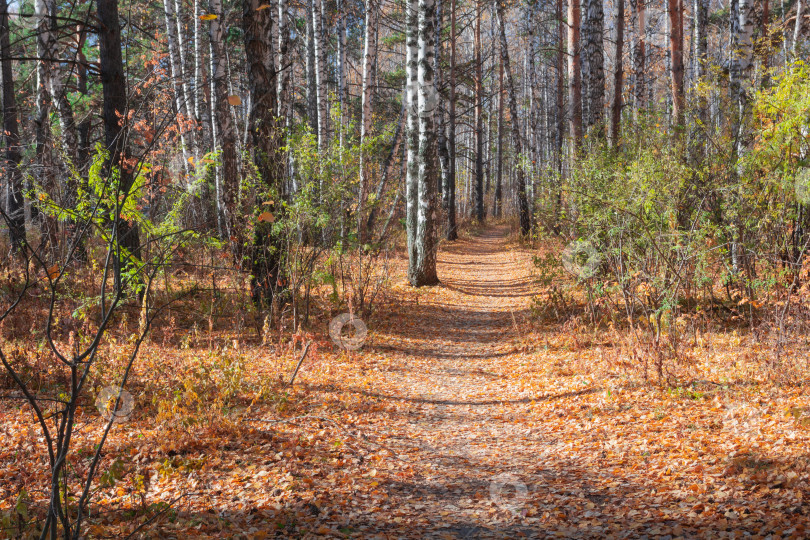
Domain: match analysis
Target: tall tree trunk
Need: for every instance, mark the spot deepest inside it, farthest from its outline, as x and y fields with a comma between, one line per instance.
x=523, y=203
x=83, y=146
x=574, y=74
x=797, y=29
x=177, y=76
x=618, y=81
x=499, y=159
x=559, y=114
x=701, y=15
x=341, y=61
x=311, y=77
x=15, y=201
x=675, y=12
x=411, y=100
x=423, y=271
x=114, y=89
x=449, y=191
x=45, y=172
x=369, y=61
x=266, y=250
x=742, y=31
x=640, y=56
x=320, y=71
x=282, y=78
x=226, y=133
x=441, y=126
x=595, y=52
x=478, y=187
x=199, y=91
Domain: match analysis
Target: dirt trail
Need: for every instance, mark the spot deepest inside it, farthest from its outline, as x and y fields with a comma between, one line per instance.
x=446, y=360
x=503, y=428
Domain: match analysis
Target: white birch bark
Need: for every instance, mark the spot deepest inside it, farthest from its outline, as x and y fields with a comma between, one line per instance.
x=412, y=122
x=320, y=70
x=424, y=271
x=369, y=55
x=180, y=100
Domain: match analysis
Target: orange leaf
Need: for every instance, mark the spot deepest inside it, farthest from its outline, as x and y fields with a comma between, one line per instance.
x=234, y=100
x=267, y=216
x=208, y=17
x=53, y=271
x=263, y=6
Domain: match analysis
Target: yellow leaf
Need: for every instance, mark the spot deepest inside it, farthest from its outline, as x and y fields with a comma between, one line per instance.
x=191, y=159
x=234, y=100
x=267, y=216
x=208, y=17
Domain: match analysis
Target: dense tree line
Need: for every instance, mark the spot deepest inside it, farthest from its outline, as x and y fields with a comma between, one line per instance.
x=362, y=111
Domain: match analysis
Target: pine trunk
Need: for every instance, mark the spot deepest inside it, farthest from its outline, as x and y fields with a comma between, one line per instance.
x=449, y=191
x=523, y=203
x=574, y=74
x=675, y=12
x=618, y=84
x=595, y=52
x=478, y=187
x=115, y=113
x=15, y=201
x=266, y=249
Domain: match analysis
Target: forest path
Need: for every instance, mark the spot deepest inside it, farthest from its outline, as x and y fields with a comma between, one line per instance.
x=447, y=361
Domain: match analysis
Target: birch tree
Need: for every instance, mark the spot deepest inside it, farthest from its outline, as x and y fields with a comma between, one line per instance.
x=226, y=133
x=369, y=61
x=176, y=73
x=422, y=170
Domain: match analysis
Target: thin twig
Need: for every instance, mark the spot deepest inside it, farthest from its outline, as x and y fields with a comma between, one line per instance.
x=301, y=361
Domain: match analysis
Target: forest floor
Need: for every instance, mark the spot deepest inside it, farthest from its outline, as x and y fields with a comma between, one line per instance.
x=463, y=418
